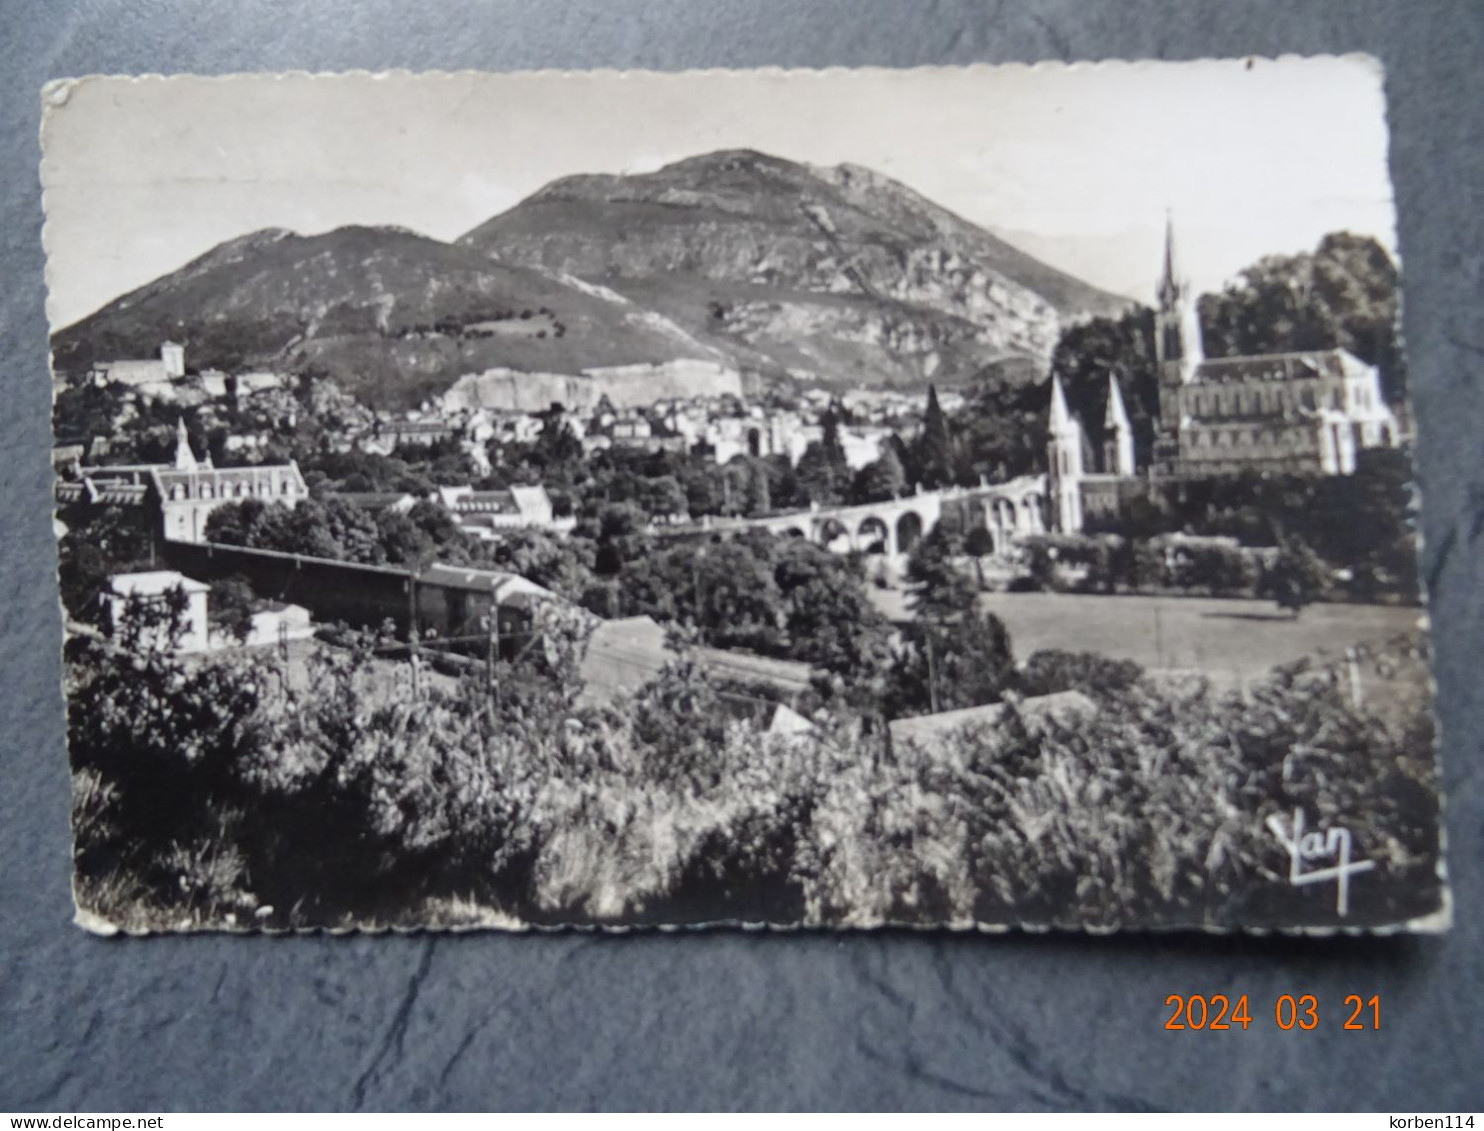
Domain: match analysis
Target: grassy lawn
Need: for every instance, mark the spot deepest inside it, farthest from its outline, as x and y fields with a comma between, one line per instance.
x=1227, y=639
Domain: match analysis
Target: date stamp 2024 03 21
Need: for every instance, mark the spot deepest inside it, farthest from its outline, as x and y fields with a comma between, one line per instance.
x=1221, y=1012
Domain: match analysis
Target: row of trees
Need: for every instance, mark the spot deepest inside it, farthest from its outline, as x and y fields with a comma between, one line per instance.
x=1361, y=523
x=331, y=527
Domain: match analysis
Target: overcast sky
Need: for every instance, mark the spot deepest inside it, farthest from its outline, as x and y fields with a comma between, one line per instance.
x=1075, y=164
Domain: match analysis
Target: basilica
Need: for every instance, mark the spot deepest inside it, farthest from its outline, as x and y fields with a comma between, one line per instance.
x=1302, y=413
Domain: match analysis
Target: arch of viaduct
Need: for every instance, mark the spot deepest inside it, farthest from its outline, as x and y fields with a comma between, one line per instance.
x=893, y=527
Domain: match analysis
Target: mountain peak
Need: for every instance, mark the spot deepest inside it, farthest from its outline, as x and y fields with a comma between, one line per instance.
x=732, y=160
x=840, y=273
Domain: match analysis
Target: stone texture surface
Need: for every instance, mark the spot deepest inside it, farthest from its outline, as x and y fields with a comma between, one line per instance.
x=727, y=1019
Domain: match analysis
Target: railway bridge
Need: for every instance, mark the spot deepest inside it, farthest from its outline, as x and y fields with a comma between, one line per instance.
x=894, y=526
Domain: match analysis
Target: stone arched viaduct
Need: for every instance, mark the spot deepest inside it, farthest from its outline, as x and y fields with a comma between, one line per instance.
x=893, y=527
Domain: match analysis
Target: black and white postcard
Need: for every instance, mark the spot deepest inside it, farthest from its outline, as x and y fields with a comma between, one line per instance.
x=961, y=497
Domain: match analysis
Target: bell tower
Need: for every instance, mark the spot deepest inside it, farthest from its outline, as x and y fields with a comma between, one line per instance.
x=1177, y=349
x=1177, y=333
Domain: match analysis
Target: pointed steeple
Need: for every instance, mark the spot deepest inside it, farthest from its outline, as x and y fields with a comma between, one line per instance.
x=1177, y=335
x=1061, y=418
x=1117, y=415
x=1171, y=286
x=1118, y=443
x=185, y=459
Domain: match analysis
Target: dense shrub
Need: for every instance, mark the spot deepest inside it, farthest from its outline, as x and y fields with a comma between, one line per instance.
x=217, y=791
x=1051, y=670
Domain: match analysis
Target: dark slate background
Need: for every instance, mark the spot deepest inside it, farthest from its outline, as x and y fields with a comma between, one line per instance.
x=727, y=1019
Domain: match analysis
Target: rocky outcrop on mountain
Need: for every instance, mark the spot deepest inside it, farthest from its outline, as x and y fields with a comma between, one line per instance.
x=625, y=386
x=840, y=272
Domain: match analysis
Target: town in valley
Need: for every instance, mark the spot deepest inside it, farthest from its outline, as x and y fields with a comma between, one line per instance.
x=813, y=603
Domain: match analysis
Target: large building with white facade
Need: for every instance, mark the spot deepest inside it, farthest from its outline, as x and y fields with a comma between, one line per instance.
x=184, y=492
x=1306, y=412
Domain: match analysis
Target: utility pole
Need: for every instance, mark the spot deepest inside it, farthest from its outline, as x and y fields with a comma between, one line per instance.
x=695, y=565
x=1159, y=636
x=932, y=675
x=493, y=621
x=414, y=638
x=1352, y=667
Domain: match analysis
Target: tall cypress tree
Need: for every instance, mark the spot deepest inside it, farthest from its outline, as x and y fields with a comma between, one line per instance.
x=934, y=454
x=759, y=490
x=830, y=436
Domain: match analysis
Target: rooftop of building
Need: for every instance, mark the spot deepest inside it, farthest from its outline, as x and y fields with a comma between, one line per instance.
x=152, y=583
x=1288, y=366
x=500, y=500
x=507, y=587
x=375, y=500
x=418, y=426
x=1061, y=707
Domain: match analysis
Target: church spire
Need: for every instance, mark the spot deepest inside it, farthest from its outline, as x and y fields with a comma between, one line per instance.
x=1118, y=444
x=1171, y=286
x=1061, y=418
x=185, y=459
x=1177, y=335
